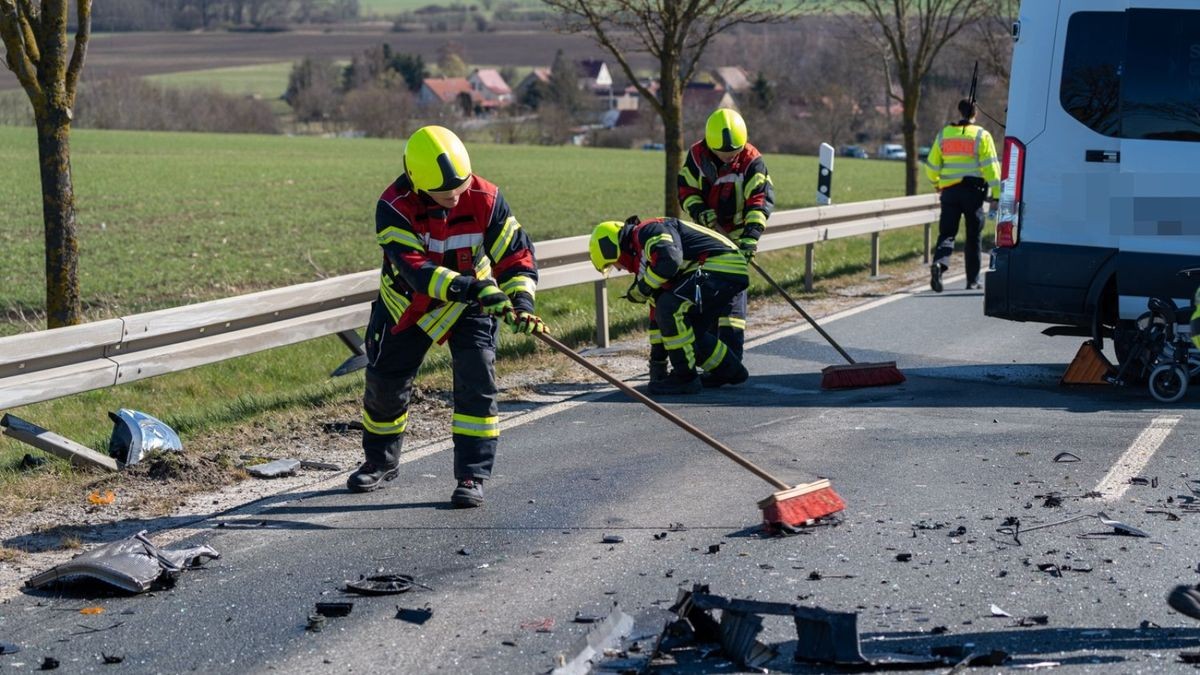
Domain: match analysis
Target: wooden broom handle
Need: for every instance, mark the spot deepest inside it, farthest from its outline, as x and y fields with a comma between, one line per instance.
x=800, y=309
x=642, y=398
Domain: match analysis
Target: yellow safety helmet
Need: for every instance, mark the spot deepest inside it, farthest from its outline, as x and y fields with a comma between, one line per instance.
x=436, y=160
x=725, y=130
x=605, y=244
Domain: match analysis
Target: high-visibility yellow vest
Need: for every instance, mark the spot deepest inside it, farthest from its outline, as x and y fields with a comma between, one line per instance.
x=961, y=151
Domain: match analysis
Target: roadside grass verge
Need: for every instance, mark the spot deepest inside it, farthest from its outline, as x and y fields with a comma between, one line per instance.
x=172, y=219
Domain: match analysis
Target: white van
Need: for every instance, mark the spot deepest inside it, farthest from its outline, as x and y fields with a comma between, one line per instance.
x=1101, y=164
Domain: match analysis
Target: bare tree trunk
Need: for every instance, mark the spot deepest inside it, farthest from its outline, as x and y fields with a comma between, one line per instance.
x=672, y=117
x=912, y=100
x=58, y=211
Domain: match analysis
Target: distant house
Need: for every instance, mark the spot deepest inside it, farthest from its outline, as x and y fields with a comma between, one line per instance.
x=449, y=91
x=537, y=80
x=594, y=75
x=733, y=78
x=493, y=91
x=707, y=98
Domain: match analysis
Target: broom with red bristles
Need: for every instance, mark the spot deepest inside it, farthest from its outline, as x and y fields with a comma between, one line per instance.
x=789, y=507
x=856, y=374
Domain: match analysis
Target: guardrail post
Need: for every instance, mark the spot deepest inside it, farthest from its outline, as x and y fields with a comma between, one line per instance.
x=874, y=254
x=601, y=288
x=808, y=267
x=928, y=241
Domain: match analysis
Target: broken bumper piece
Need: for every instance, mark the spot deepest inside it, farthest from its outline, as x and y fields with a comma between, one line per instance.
x=132, y=564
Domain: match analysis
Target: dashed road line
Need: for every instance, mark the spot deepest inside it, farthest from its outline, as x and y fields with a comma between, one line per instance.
x=1130, y=464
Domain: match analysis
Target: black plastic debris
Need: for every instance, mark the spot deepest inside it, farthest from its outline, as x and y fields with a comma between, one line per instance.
x=29, y=462
x=334, y=610
x=9, y=648
x=958, y=531
x=417, y=616
x=903, y=557
x=1189, y=657
x=341, y=427
x=714, y=548
x=588, y=617
x=1051, y=501
x=132, y=564
x=739, y=632
x=316, y=623
x=1066, y=457
x=1035, y=620
x=1050, y=568
x=939, y=630
x=277, y=469
x=111, y=659
x=49, y=663
x=1142, y=480
x=660, y=536
x=612, y=539
x=833, y=637
x=1170, y=515
x=136, y=434
x=382, y=584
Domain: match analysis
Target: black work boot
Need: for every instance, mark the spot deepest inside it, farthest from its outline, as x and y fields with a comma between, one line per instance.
x=371, y=477
x=935, y=277
x=658, y=371
x=731, y=371
x=676, y=384
x=468, y=494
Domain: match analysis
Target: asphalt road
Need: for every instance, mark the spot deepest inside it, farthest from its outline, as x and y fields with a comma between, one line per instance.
x=930, y=468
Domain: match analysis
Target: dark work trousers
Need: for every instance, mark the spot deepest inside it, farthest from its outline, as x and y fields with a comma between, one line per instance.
x=961, y=200
x=393, y=363
x=687, y=315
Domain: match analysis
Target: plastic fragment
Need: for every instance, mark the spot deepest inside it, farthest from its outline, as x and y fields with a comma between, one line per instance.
x=1066, y=457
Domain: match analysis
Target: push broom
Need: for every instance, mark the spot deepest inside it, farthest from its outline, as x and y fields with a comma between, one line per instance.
x=789, y=507
x=855, y=374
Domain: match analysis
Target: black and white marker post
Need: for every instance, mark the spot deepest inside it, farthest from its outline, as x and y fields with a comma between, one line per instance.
x=825, y=175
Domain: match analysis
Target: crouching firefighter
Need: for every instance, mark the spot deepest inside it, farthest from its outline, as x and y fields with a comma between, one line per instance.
x=690, y=274
x=455, y=260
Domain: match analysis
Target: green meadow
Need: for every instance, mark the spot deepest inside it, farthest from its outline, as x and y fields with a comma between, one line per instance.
x=172, y=219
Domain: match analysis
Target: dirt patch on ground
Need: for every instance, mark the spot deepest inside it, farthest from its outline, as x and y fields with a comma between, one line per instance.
x=46, y=519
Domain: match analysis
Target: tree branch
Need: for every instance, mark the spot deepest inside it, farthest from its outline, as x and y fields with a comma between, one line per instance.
x=82, y=33
x=16, y=54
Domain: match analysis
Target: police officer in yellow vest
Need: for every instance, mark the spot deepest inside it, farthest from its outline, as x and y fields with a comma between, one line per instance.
x=964, y=169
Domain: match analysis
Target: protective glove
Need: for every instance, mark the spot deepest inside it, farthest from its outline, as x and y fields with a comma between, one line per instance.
x=748, y=247
x=635, y=294
x=708, y=218
x=526, y=322
x=492, y=300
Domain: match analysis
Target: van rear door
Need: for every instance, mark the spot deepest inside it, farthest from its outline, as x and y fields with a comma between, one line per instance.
x=1156, y=200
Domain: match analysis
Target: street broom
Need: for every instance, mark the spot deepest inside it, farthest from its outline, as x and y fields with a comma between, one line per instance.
x=849, y=376
x=789, y=507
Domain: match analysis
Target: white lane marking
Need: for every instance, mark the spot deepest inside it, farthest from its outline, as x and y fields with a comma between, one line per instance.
x=800, y=328
x=1130, y=464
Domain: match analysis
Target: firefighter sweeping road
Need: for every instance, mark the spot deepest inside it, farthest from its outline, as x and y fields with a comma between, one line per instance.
x=930, y=469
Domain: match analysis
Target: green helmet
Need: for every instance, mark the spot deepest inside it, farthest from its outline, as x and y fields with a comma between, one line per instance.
x=725, y=130
x=436, y=160
x=605, y=244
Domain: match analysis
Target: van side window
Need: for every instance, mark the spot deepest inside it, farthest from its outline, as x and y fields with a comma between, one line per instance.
x=1160, y=92
x=1092, y=65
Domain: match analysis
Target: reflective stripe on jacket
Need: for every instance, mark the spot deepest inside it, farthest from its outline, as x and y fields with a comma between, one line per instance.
x=961, y=151
x=739, y=195
x=663, y=251
x=431, y=254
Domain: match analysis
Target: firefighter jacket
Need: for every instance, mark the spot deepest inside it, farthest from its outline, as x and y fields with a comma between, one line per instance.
x=1195, y=325
x=960, y=151
x=664, y=251
x=432, y=255
x=737, y=197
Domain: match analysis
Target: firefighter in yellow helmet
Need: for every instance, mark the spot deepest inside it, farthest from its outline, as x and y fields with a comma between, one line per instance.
x=691, y=275
x=723, y=185
x=455, y=262
x=964, y=169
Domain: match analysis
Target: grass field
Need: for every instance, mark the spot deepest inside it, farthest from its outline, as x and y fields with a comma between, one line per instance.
x=267, y=80
x=172, y=219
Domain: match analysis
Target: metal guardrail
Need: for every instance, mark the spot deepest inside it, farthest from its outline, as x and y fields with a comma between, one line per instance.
x=49, y=364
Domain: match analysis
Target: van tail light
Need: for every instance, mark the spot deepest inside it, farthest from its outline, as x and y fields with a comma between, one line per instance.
x=1012, y=176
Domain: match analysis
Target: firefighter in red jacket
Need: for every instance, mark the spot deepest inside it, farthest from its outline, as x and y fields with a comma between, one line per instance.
x=691, y=275
x=724, y=185
x=455, y=260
